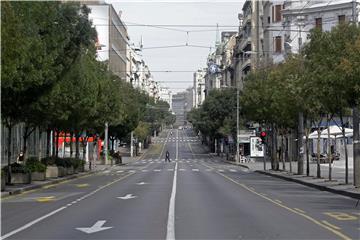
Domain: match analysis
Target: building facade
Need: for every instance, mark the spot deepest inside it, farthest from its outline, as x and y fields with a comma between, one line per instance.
x=113, y=39
x=199, y=87
x=299, y=17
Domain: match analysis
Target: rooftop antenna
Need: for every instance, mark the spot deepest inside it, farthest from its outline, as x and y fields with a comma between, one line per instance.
x=141, y=42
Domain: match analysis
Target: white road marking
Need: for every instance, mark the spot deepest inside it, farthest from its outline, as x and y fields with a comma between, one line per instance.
x=232, y=170
x=170, y=169
x=157, y=170
x=97, y=227
x=127, y=196
x=195, y=169
x=182, y=169
x=120, y=171
x=32, y=223
x=170, y=233
x=141, y=183
x=145, y=170
x=221, y=170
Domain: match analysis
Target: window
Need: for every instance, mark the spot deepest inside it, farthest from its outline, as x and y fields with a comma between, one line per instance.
x=276, y=13
x=278, y=44
x=341, y=19
x=268, y=19
x=318, y=23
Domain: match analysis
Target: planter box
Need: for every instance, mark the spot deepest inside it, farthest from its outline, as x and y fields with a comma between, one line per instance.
x=3, y=179
x=38, y=176
x=61, y=171
x=70, y=170
x=80, y=169
x=52, y=172
x=20, y=178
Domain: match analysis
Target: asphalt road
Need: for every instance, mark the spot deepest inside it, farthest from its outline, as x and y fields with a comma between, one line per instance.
x=195, y=196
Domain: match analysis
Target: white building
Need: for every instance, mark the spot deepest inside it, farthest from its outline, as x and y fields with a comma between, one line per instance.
x=113, y=39
x=199, y=88
x=166, y=95
x=301, y=16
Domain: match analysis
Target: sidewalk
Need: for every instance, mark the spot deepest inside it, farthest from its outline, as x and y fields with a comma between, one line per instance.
x=337, y=185
x=20, y=188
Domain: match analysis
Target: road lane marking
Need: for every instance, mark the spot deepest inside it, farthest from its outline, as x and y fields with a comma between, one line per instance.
x=330, y=225
x=341, y=216
x=170, y=233
x=336, y=232
x=45, y=199
x=299, y=210
x=58, y=210
x=32, y=223
x=195, y=170
x=97, y=227
x=82, y=185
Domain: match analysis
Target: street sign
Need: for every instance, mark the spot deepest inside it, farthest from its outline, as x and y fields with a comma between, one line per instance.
x=256, y=147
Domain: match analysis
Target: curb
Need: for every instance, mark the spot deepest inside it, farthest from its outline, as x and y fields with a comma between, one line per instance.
x=322, y=188
x=237, y=164
x=55, y=181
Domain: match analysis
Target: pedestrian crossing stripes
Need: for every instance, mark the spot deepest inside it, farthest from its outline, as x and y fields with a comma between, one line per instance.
x=222, y=170
x=164, y=140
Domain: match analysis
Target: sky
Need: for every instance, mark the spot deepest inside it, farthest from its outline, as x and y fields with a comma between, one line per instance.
x=201, y=16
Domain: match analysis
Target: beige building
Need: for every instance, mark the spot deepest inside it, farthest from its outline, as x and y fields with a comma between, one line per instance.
x=249, y=48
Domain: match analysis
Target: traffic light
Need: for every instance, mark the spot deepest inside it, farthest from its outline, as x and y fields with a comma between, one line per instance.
x=263, y=136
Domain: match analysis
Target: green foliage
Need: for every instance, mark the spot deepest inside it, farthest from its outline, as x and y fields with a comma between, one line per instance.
x=17, y=168
x=142, y=131
x=217, y=116
x=34, y=165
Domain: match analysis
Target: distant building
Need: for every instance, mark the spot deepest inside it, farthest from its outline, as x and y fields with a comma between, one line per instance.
x=166, y=95
x=199, y=88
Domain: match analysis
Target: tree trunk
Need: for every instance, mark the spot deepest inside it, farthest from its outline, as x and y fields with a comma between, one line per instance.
x=71, y=143
x=48, y=136
x=329, y=147
x=54, y=142
x=25, y=136
x=346, y=150
x=356, y=146
x=287, y=151
x=274, y=149
x=40, y=145
x=57, y=143
x=9, y=152
x=300, y=144
x=307, y=132
x=84, y=144
x=318, y=168
x=77, y=149
x=282, y=151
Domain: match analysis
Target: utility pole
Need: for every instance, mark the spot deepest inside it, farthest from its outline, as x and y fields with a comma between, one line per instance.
x=301, y=150
x=237, y=158
x=356, y=146
x=132, y=144
x=356, y=135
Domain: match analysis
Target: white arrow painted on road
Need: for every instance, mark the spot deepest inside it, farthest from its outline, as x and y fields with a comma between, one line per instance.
x=141, y=183
x=128, y=196
x=97, y=227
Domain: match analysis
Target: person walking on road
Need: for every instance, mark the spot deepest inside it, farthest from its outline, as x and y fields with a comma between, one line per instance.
x=167, y=156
